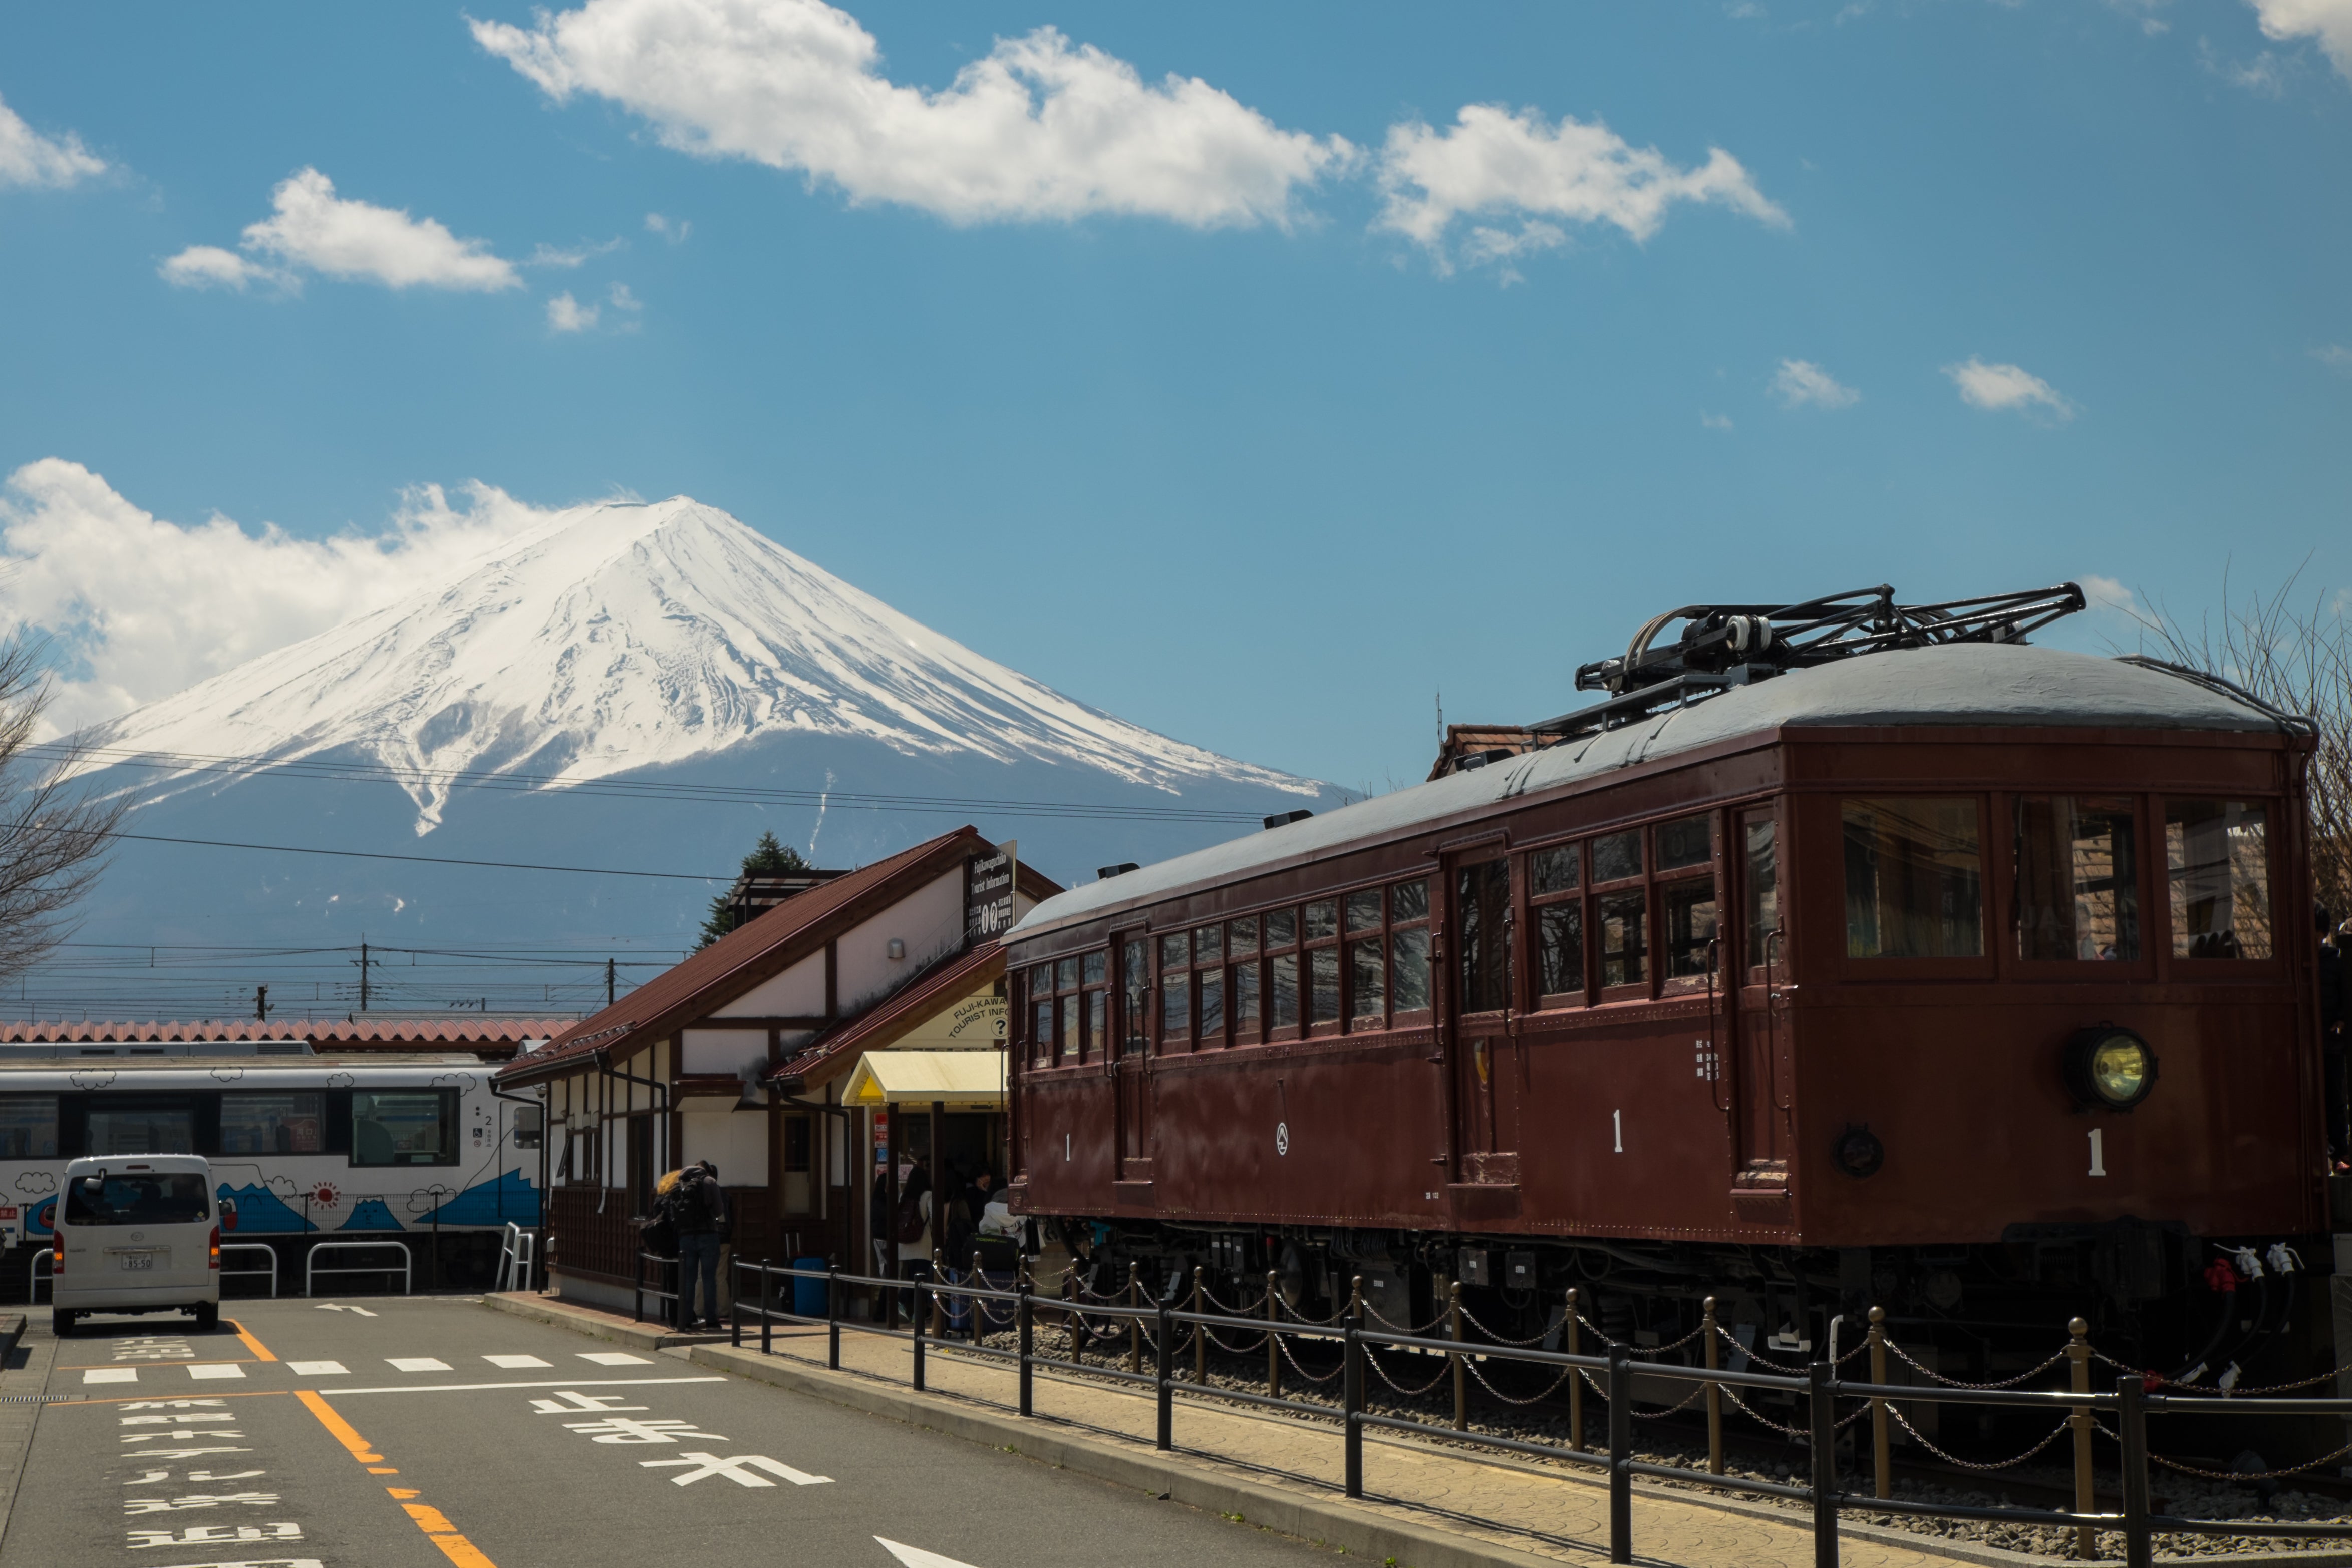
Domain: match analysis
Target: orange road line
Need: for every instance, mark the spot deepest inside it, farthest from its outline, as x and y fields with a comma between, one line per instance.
x=460, y=1552
x=260, y=1350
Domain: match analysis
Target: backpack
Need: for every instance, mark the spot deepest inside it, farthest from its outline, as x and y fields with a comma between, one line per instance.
x=911, y=1224
x=657, y=1235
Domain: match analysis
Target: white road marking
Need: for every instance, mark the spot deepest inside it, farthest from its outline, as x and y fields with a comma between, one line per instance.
x=916, y=1557
x=516, y=1361
x=216, y=1369
x=613, y=1358
x=734, y=1470
x=318, y=1368
x=415, y=1363
x=216, y=1535
x=339, y=1307
x=621, y=1429
x=570, y=1402
x=139, y=1505
x=109, y=1375
x=473, y=1387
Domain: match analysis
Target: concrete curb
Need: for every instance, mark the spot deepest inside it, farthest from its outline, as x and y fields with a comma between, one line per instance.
x=637, y=1336
x=12, y=1332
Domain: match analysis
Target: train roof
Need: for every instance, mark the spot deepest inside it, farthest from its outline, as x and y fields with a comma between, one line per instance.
x=1955, y=683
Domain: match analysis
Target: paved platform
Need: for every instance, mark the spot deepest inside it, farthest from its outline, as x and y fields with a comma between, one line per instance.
x=1433, y=1507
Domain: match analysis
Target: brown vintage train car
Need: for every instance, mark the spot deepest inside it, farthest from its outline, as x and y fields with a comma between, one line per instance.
x=1908, y=964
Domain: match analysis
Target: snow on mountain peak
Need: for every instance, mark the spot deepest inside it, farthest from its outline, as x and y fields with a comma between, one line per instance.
x=622, y=636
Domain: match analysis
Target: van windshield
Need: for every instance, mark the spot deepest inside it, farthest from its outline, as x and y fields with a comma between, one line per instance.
x=165, y=1199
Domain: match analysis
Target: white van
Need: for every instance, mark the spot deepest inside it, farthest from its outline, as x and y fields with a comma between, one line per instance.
x=137, y=1233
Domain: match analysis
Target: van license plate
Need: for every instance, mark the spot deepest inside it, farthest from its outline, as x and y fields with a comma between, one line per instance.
x=139, y=1259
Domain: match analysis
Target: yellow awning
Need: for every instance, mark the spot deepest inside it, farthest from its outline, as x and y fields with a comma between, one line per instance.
x=965, y=1080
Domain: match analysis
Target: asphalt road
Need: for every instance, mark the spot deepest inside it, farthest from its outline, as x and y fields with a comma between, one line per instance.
x=433, y=1432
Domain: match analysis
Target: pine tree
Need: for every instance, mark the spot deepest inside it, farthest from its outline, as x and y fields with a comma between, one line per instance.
x=768, y=858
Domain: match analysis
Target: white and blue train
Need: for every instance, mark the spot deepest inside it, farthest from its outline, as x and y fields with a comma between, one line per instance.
x=353, y=1147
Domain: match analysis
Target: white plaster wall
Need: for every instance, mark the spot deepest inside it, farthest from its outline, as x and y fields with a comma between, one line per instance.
x=723, y=1049
x=735, y=1141
x=798, y=992
x=930, y=920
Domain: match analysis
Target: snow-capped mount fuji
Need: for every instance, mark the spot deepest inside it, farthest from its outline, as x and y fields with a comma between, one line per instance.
x=518, y=710
x=620, y=637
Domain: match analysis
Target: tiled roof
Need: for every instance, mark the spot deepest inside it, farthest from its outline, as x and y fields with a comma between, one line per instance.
x=747, y=955
x=940, y=988
x=489, y=1036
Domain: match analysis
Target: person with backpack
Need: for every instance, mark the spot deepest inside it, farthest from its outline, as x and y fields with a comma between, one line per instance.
x=696, y=1212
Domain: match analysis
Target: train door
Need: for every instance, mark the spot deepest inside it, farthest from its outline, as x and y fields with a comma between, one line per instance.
x=1131, y=1066
x=1760, y=1090
x=1480, y=1001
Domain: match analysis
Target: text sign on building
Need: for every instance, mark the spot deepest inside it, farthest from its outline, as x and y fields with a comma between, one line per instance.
x=988, y=894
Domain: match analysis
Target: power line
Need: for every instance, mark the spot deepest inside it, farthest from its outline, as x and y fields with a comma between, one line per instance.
x=421, y=860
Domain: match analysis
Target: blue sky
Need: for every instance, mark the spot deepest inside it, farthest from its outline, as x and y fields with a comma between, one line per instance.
x=1252, y=435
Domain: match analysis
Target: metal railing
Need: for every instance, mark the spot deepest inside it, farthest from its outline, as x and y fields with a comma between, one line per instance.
x=32, y=1290
x=637, y=1310
x=518, y=1254
x=265, y=1250
x=310, y=1268
x=1613, y=1376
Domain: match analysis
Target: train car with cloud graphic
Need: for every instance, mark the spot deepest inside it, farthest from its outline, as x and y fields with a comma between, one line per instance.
x=376, y=1147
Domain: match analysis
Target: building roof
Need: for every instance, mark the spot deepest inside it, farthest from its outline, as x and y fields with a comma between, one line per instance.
x=485, y=1037
x=1481, y=740
x=940, y=988
x=754, y=953
x=1956, y=683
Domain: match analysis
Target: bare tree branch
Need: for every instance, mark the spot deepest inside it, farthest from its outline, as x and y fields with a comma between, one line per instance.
x=54, y=836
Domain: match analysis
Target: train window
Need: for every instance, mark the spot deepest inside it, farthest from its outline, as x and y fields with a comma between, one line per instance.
x=1044, y=1038
x=1554, y=870
x=1689, y=911
x=292, y=1123
x=1623, y=919
x=1211, y=983
x=1098, y=1018
x=1323, y=996
x=530, y=1126
x=1041, y=980
x=1283, y=1011
x=1367, y=997
x=1763, y=886
x=1322, y=920
x=1135, y=970
x=1560, y=949
x=1281, y=927
x=1175, y=952
x=1175, y=1004
x=1245, y=998
x=1065, y=975
x=28, y=1126
x=141, y=1127
x=1616, y=856
x=2218, y=868
x=1364, y=909
x=412, y=1127
x=1209, y=945
x=1685, y=843
x=1074, y=1028
x=1914, y=878
x=1096, y=962
x=2077, y=878
x=1409, y=963
x=1483, y=912
x=1244, y=935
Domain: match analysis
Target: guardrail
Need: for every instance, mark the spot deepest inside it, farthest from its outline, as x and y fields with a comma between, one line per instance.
x=637, y=1310
x=1613, y=1376
x=310, y=1268
x=517, y=1255
x=33, y=1289
x=266, y=1250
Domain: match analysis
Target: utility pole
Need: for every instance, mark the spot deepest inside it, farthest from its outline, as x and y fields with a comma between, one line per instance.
x=364, y=974
x=262, y=1003
x=608, y=982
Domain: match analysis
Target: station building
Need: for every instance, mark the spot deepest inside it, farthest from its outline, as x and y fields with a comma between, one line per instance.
x=862, y=1013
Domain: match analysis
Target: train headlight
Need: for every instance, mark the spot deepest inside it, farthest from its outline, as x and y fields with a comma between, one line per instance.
x=2108, y=1068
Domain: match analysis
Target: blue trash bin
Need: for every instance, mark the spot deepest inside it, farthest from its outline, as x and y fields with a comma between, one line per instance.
x=808, y=1295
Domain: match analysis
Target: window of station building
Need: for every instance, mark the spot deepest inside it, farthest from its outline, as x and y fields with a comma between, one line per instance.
x=1209, y=983
x=2077, y=878
x=1282, y=969
x=796, y=1145
x=1322, y=928
x=1241, y=943
x=293, y=1123
x=1483, y=908
x=28, y=1126
x=413, y=1127
x=1689, y=913
x=1175, y=987
x=1409, y=948
x=2217, y=866
x=1621, y=910
x=1134, y=999
x=1761, y=850
x=1914, y=877
x=1556, y=896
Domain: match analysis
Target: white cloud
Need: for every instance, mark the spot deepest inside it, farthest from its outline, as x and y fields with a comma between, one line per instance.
x=314, y=229
x=2328, y=21
x=1800, y=382
x=1715, y=421
x=1036, y=129
x=1494, y=163
x=552, y=256
x=674, y=230
x=209, y=266
x=2004, y=387
x=28, y=158
x=2335, y=355
x=565, y=314
x=2107, y=593
x=140, y=607
x=622, y=299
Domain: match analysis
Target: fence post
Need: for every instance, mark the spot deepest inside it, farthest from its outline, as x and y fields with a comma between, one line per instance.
x=1351, y=1386
x=1573, y=1342
x=1200, y=1334
x=2131, y=1425
x=1882, y=1441
x=734, y=1311
x=1164, y=1368
x=1461, y=1379
x=2078, y=1378
x=978, y=1280
x=1621, y=1455
x=1714, y=1392
x=1025, y=1331
x=1273, y=1345
x=1822, y=1435
x=921, y=1305
x=768, y=1302
x=1134, y=1325
x=637, y=1294
x=832, y=1313
x=939, y=1301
